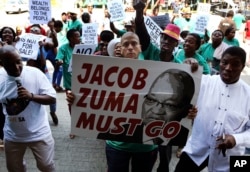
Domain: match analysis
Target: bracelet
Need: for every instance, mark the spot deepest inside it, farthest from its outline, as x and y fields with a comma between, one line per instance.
x=32, y=96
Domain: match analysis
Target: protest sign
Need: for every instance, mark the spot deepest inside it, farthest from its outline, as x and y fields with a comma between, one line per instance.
x=82, y=49
x=161, y=20
x=201, y=22
x=203, y=8
x=40, y=11
x=116, y=10
x=111, y=95
x=89, y=33
x=28, y=45
x=154, y=30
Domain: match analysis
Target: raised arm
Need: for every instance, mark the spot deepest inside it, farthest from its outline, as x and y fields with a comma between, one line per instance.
x=141, y=30
x=113, y=28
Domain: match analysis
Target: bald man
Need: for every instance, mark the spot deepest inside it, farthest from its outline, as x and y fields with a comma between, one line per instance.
x=24, y=90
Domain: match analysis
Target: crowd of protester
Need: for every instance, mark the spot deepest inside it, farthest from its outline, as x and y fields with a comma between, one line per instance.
x=222, y=104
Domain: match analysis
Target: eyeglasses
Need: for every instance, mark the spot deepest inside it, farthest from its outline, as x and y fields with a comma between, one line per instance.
x=154, y=102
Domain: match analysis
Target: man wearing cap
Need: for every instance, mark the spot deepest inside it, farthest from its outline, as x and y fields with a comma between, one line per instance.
x=74, y=23
x=169, y=39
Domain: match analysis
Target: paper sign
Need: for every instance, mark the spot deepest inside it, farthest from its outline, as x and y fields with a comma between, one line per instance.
x=154, y=30
x=89, y=33
x=201, y=22
x=113, y=95
x=203, y=8
x=116, y=10
x=82, y=49
x=28, y=45
x=40, y=11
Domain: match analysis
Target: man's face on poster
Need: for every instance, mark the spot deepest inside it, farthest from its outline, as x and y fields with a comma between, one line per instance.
x=164, y=100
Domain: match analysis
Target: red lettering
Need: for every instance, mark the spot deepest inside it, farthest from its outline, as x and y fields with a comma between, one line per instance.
x=133, y=124
x=88, y=68
x=118, y=126
x=171, y=129
x=103, y=123
x=132, y=104
x=124, y=81
x=114, y=101
x=97, y=75
x=86, y=92
x=109, y=72
x=153, y=129
x=100, y=99
x=123, y=77
x=85, y=121
x=139, y=82
x=106, y=125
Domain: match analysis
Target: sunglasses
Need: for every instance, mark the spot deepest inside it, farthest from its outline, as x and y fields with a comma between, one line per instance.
x=35, y=30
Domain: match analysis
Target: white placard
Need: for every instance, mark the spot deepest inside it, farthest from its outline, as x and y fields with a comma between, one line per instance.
x=82, y=49
x=28, y=45
x=153, y=30
x=89, y=33
x=116, y=10
x=111, y=98
x=201, y=22
x=40, y=11
x=203, y=8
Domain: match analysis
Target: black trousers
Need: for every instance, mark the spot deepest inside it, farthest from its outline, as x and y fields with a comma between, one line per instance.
x=2, y=121
x=165, y=153
x=187, y=164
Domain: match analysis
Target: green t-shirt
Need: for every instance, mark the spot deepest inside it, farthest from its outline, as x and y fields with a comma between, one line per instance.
x=120, y=33
x=233, y=42
x=131, y=147
x=238, y=20
x=180, y=57
x=207, y=51
x=77, y=24
x=152, y=53
x=183, y=24
x=64, y=53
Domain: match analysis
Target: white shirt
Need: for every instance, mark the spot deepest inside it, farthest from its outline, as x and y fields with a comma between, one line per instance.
x=30, y=124
x=222, y=109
